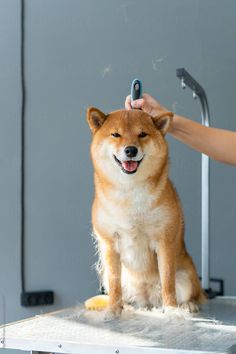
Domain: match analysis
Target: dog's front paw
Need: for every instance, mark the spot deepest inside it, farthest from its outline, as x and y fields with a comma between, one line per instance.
x=169, y=309
x=113, y=313
x=190, y=307
x=169, y=305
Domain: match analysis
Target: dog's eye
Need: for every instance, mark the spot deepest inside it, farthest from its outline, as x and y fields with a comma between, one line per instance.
x=142, y=135
x=116, y=135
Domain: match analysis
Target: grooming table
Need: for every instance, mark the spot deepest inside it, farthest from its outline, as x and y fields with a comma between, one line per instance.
x=76, y=330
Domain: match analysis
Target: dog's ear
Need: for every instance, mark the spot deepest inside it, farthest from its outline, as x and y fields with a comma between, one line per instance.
x=95, y=118
x=163, y=121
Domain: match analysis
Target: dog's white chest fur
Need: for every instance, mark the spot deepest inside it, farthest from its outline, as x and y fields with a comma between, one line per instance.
x=134, y=227
x=133, y=249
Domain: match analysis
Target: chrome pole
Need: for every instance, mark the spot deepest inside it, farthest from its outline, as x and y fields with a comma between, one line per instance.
x=198, y=91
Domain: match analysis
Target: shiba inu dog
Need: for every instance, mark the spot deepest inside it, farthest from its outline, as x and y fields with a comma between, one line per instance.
x=136, y=215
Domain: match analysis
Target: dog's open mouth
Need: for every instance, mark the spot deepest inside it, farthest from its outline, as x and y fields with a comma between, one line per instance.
x=129, y=166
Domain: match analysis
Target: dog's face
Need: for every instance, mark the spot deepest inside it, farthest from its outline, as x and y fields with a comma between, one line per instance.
x=128, y=143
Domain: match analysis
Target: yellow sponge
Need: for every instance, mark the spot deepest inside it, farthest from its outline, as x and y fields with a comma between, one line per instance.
x=97, y=303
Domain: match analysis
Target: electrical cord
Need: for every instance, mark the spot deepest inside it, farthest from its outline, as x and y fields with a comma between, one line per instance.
x=23, y=100
x=28, y=298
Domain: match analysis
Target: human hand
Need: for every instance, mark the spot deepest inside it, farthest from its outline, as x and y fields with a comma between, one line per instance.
x=147, y=103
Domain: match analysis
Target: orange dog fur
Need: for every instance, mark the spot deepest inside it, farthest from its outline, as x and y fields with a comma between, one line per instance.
x=136, y=215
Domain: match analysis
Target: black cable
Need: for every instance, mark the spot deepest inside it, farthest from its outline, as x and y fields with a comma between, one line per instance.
x=23, y=99
x=35, y=298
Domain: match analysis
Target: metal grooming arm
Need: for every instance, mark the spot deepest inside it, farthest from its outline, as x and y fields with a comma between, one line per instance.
x=198, y=92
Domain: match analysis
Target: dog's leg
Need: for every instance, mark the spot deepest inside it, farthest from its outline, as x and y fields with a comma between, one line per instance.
x=167, y=269
x=113, y=268
x=188, y=287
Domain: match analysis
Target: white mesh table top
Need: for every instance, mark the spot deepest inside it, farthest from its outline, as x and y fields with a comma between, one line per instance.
x=76, y=330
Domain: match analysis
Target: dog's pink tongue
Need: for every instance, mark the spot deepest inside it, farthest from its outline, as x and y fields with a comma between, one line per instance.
x=130, y=166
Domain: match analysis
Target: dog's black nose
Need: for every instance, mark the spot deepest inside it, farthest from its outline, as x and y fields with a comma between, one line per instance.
x=131, y=151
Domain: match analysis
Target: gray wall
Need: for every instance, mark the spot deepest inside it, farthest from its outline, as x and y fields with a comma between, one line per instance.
x=81, y=53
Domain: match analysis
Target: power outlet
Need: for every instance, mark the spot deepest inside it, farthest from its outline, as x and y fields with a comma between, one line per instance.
x=37, y=298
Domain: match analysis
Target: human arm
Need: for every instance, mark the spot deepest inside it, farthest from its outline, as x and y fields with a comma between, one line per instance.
x=219, y=144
